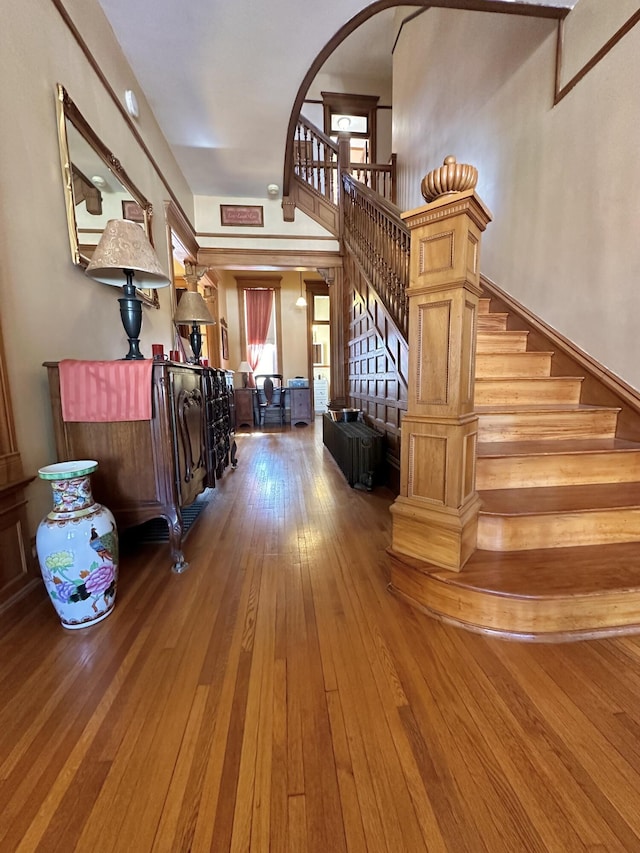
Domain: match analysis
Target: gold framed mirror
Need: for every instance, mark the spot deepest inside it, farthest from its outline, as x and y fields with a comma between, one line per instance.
x=96, y=187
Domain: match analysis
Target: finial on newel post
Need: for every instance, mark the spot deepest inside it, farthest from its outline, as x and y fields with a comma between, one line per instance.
x=451, y=177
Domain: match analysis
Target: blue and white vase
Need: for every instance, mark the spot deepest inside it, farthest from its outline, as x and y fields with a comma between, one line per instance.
x=77, y=546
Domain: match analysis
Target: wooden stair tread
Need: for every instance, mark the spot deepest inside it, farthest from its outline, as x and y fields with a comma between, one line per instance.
x=490, y=449
x=537, y=379
x=593, y=570
x=559, y=499
x=521, y=355
x=542, y=407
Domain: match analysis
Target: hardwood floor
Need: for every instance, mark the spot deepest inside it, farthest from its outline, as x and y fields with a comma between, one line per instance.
x=276, y=697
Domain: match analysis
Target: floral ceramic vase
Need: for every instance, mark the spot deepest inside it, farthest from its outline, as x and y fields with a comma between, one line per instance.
x=77, y=546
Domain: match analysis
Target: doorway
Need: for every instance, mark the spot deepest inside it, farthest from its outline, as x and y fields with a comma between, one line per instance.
x=319, y=343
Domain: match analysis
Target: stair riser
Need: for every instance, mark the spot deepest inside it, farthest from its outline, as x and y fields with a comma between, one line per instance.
x=520, y=364
x=492, y=322
x=567, y=614
x=484, y=305
x=488, y=342
x=540, y=426
x=504, y=392
x=596, y=527
x=562, y=470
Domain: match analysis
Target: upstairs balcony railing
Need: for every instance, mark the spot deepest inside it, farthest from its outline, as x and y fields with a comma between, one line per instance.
x=375, y=233
x=316, y=162
x=315, y=159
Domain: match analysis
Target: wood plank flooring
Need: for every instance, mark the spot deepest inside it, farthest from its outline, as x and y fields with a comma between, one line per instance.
x=276, y=697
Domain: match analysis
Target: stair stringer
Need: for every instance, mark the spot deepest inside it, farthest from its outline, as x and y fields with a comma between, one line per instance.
x=315, y=205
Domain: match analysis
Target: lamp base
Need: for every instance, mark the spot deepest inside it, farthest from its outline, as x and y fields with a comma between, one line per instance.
x=195, y=339
x=131, y=316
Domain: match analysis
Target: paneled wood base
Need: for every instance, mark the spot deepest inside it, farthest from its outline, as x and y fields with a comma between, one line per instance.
x=565, y=594
x=447, y=535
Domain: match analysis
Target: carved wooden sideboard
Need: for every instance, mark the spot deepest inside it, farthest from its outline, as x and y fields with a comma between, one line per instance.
x=150, y=469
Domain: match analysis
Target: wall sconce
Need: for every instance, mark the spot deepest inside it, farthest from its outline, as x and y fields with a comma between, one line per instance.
x=193, y=309
x=124, y=250
x=301, y=302
x=131, y=103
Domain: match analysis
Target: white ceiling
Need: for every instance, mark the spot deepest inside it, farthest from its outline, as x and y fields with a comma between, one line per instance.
x=221, y=76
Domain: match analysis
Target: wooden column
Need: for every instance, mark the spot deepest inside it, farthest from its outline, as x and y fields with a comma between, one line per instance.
x=435, y=515
x=344, y=165
x=338, y=362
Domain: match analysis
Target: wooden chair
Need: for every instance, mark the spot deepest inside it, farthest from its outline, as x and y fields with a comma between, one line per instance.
x=271, y=396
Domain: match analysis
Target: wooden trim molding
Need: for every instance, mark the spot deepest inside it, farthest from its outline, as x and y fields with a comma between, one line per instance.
x=219, y=235
x=562, y=91
x=178, y=222
x=266, y=258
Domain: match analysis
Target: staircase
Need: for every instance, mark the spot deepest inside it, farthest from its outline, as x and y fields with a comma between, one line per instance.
x=557, y=457
x=559, y=526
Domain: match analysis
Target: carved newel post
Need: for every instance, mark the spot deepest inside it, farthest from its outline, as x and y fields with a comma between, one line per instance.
x=435, y=514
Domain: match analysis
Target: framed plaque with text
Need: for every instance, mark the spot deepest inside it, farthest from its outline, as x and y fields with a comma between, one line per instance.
x=242, y=214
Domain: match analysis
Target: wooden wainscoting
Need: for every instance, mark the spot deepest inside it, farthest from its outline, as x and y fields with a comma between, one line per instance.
x=377, y=363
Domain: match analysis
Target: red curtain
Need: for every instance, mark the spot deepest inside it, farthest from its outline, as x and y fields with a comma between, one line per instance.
x=259, y=304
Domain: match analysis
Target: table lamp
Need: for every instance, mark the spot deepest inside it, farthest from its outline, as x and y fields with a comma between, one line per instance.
x=244, y=368
x=124, y=250
x=193, y=309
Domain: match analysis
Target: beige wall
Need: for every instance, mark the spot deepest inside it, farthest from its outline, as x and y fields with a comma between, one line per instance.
x=562, y=182
x=49, y=309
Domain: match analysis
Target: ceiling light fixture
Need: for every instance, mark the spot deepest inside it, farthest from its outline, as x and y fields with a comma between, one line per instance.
x=273, y=190
x=301, y=302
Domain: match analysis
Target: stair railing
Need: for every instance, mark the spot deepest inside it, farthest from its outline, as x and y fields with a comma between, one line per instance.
x=381, y=242
x=378, y=177
x=317, y=162
x=315, y=159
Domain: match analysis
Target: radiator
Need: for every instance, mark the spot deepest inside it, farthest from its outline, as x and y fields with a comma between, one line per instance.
x=356, y=448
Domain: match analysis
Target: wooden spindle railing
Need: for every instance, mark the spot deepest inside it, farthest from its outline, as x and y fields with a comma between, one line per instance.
x=380, y=240
x=315, y=159
x=378, y=177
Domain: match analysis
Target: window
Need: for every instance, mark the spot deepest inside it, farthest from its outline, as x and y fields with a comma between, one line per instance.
x=320, y=331
x=356, y=115
x=260, y=323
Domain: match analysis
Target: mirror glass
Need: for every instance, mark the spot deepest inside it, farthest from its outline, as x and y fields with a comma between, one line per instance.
x=96, y=187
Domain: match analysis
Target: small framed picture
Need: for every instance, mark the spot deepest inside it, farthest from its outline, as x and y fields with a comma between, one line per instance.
x=224, y=341
x=132, y=211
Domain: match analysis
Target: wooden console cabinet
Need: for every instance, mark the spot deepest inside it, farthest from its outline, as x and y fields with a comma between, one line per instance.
x=151, y=469
x=245, y=401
